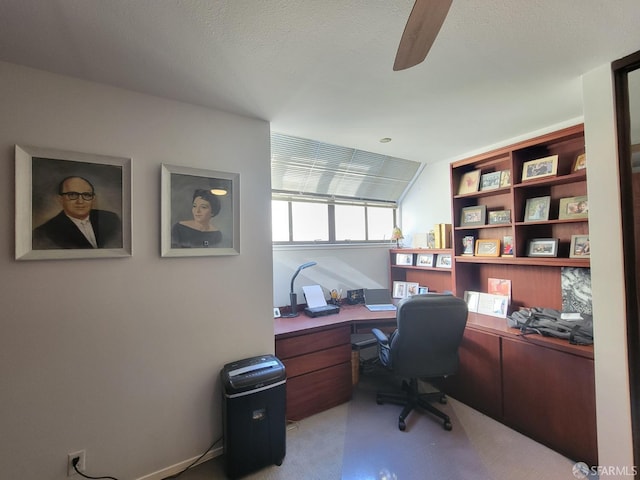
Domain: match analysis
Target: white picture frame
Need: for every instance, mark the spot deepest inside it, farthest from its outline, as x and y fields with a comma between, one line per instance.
x=399, y=289
x=425, y=260
x=444, y=260
x=179, y=188
x=404, y=259
x=43, y=231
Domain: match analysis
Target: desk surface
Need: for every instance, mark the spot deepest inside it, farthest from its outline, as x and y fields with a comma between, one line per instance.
x=354, y=314
x=348, y=314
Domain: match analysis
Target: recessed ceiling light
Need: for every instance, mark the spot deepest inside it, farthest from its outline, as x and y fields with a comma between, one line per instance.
x=385, y=140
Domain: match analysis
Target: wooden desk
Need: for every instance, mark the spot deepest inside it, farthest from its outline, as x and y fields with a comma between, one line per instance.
x=316, y=353
x=540, y=386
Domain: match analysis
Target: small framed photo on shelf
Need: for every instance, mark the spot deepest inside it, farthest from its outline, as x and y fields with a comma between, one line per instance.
x=543, y=247
x=468, y=243
x=505, y=178
x=487, y=247
x=423, y=290
x=473, y=216
x=472, y=300
x=399, y=289
x=580, y=163
x=539, y=168
x=537, y=209
x=404, y=259
x=425, y=260
x=469, y=182
x=444, y=261
x=490, y=181
x=507, y=246
x=573, y=207
x=499, y=217
x=580, y=247
x=412, y=288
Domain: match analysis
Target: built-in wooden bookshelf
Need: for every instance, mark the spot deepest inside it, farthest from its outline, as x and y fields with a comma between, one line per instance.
x=535, y=280
x=436, y=279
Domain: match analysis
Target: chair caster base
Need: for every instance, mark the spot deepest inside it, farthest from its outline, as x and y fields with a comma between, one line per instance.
x=448, y=426
x=402, y=426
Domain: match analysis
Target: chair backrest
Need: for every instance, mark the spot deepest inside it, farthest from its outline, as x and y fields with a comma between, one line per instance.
x=430, y=329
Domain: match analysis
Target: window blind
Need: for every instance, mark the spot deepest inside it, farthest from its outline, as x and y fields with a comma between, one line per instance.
x=307, y=167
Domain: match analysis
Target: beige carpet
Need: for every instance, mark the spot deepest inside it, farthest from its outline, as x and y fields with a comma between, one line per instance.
x=338, y=444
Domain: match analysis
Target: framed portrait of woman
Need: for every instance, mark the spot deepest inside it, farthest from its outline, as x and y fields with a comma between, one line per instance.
x=200, y=212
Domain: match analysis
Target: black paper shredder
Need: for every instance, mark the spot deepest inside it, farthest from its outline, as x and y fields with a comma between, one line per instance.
x=253, y=411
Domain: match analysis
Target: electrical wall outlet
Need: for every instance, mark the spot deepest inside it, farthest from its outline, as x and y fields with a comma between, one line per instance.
x=81, y=462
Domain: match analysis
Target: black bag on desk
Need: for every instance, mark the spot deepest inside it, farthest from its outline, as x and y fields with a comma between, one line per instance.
x=548, y=322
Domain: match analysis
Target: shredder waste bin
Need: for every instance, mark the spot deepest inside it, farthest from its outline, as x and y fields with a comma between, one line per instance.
x=253, y=410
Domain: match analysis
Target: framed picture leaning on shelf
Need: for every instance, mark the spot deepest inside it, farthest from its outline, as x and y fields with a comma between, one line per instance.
x=543, y=247
x=573, y=207
x=425, y=260
x=499, y=217
x=537, y=209
x=468, y=243
x=399, y=289
x=490, y=181
x=469, y=182
x=444, y=261
x=487, y=247
x=404, y=259
x=580, y=247
x=505, y=178
x=541, y=167
x=473, y=216
x=580, y=163
x=507, y=246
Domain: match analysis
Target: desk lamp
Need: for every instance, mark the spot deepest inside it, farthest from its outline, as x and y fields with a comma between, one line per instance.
x=292, y=296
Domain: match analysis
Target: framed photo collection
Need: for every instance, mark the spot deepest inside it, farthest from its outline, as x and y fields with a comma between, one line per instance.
x=543, y=247
x=490, y=181
x=443, y=261
x=404, y=259
x=487, y=248
x=499, y=217
x=537, y=209
x=473, y=216
x=580, y=247
x=573, y=207
x=425, y=260
x=540, y=168
x=469, y=182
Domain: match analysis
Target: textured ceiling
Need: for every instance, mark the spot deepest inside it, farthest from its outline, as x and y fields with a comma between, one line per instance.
x=322, y=69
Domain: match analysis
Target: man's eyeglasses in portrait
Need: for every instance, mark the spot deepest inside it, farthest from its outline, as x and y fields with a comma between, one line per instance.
x=75, y=195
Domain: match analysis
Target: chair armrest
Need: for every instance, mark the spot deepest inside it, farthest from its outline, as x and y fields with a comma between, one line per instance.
x=380, y=336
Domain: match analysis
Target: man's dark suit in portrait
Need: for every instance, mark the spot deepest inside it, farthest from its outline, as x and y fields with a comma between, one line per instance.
x=78, y=225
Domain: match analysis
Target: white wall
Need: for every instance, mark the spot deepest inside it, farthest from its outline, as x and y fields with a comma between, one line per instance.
x=340, y=267
x=121, y=357
x=428, y=202
x=607, y=270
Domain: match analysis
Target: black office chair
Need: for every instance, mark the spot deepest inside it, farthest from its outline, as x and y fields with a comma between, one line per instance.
x=424, y=346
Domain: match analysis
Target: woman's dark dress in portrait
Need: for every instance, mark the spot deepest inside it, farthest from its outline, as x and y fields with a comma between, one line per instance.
x=186, y=237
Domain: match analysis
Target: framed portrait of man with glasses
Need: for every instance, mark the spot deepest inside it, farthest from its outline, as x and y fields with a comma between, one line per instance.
x=71, y=204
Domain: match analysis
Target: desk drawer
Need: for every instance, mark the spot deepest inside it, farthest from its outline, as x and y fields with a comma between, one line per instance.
x=312, y=342
x=317, y=360
x=318, y=391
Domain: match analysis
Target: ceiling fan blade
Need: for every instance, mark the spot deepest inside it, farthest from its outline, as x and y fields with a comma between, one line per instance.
x=423, y=25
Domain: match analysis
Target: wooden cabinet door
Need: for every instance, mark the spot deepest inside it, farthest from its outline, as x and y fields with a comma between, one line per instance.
x=478, y=381
x=550, y=396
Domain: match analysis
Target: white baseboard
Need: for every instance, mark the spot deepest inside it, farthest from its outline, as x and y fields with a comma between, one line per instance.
x=178, y=467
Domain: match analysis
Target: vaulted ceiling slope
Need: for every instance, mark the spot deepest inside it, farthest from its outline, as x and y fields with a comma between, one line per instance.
x=322, y=70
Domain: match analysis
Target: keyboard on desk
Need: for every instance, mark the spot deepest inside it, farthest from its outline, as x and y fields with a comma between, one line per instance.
x=380, y=308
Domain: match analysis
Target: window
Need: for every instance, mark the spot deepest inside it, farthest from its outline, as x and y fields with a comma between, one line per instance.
x=323, y=222
x=325, y=193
